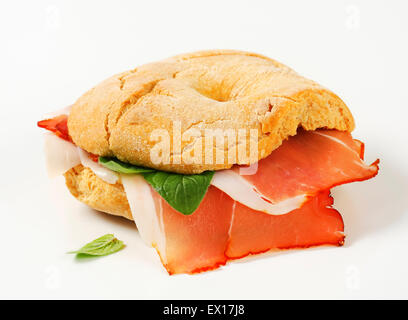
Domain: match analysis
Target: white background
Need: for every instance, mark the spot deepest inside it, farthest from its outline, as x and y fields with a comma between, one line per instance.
x=53, y=51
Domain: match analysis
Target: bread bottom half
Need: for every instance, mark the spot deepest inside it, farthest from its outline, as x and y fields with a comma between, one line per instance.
x=96, y=193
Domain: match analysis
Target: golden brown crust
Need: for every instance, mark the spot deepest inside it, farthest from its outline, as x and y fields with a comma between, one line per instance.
x=96, y=193
x=203, y=90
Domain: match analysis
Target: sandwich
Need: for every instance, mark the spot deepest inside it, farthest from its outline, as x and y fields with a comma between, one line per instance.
x=215, y=155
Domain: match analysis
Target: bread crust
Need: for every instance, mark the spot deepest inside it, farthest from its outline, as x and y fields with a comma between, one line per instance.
x=96, y=193
x=219, y=89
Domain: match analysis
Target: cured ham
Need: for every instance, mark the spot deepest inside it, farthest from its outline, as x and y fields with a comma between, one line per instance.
x=315, y=223
x=60, y=155
x=222, y=229
x=309, y=162
x=245, y=192
x=88, y=160
x=302, y=166
x=58, y=125
x=197, y=242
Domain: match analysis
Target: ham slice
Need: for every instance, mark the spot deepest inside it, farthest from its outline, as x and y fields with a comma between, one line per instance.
x=222, y=229
x=309, y=162
x=197, y=242
x=58, y=125
x=316, y=223
x=302, y=166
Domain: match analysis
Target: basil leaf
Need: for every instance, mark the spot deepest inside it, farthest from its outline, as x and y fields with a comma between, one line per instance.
x=183, y=192
x=102, y=246
x=122, y=167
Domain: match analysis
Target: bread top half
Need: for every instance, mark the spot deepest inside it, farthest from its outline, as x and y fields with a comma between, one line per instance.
x=219, y=89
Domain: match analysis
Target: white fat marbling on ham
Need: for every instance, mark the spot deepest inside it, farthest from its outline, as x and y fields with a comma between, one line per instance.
x=100, y=171
x=244, y=192
x=147, y=217
x=60, y=155
x=335, y=139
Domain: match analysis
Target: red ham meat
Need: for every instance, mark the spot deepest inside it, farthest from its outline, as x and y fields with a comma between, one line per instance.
x=309, y=162
x=197, y=242
x=222, y=229
x=315, y=223
x=58, y=125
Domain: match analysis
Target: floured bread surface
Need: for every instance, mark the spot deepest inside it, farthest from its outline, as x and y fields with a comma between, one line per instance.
x=203, y=90
x=96, y=193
